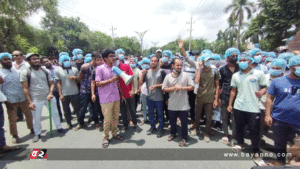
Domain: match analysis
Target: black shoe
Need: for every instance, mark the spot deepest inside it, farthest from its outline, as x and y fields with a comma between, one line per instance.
x=62, y=131
x=160, y=133
x=151, y=131
x=61, y=120
x=36, y=138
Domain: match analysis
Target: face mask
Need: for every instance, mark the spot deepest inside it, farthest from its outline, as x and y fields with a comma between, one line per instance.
x=214, y=62
x=145, y=66
x=268, y=65
x=243, y=65
x=133, y=65
x=79, y=57
x=66, y=64
x=192, y=58
x=117, y=63
x=274, y=72
x=207, y=63
x=257, y=59
x=233, y=60
x=176, y=71
x=297, y=71
x=164, y=60
x=121, y=57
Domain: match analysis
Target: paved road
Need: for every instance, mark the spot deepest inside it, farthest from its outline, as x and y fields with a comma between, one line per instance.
x=89, y=138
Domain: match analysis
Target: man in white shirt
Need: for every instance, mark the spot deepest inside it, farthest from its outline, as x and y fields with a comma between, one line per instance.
x=19, y=64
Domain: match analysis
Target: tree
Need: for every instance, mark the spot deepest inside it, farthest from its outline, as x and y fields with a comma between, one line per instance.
x=237, y=9
x=274, y=22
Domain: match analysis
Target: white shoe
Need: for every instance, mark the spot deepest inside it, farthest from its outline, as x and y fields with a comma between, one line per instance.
x=237, y=149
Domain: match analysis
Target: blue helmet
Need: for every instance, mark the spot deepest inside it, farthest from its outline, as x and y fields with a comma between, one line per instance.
x=146, y=60
x=216, y=57
x=279, y=62
x=62, y=58
x=5, y=54
x=286, y=56
x=206, y=51
x=167, y=53
x=246, y=55
x=295, y=60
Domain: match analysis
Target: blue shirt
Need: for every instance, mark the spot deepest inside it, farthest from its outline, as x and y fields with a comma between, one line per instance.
x=286, y=106
x=12, y=87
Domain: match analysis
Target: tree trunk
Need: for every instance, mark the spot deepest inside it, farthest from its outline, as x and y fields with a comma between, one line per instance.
x=2, y=48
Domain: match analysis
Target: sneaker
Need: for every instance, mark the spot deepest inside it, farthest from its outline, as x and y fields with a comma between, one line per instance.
x=62, y=130
x=90, y=120
x=160, y=133
x=151, y=131
x=36, y=138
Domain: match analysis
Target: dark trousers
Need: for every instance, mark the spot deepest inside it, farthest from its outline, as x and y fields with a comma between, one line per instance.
x=56, y=95
x=98, y=110
x=132, y=110
x=183, y=115
x=137, y=98
x=158, y=105
x=2, y=136
x=166, y=98
x=281, y=131
x=74, y=100
x=85, y=100
x=225, y=115
x=253, y=120
x=192, y=98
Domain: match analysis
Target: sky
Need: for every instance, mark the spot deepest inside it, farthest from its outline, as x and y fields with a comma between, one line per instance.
x=164, y=20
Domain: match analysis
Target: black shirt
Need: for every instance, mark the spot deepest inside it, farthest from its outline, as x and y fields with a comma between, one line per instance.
x=225, y=80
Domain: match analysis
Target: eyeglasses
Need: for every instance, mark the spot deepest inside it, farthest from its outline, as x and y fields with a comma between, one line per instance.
x=16, y=55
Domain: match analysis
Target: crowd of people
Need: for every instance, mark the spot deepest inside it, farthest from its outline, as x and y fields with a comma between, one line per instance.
x=252, y=90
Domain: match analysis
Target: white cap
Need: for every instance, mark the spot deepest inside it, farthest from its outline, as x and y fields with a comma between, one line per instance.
x=158, y=50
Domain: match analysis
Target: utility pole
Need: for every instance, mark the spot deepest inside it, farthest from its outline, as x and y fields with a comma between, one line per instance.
x=141, y=35
x=155, y=43
x=112, y=34
x=191, y=29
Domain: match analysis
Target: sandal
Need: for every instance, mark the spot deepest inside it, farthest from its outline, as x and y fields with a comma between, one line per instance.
x=225, y=140
x=178, y=121
x=171, y=137
x=119, y=137
x=182, y=143
x=97, y=126
x=206, y=138
x=78, y=127
x=259, y=162
x=195, y=132
x=105, y=143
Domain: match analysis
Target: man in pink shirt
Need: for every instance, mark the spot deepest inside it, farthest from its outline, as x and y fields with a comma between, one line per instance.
x=108, y=83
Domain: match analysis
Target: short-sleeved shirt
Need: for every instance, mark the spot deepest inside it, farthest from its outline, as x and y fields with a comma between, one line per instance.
x=225, y=80
x=24, y=65
x=247, y=85
x=52, y=70
x=136, y=73
x=125, y=89
x=68, y=87
x=12, y=87
x=38, y=87
x=153, y=78
x=85, y=86
x=110, y=92
x=207, y=88
x=286, y=106
x=178, y=100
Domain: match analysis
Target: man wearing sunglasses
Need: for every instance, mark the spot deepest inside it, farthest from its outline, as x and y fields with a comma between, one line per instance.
x=283, y=107
x=19, y=64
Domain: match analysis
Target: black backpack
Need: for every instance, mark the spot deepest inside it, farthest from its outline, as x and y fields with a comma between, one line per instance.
x=29, y=75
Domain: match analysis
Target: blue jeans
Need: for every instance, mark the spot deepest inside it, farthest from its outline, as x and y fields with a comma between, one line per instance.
x=2, y=136
x=281, y=131
x=183, y=115
x=158, y=105
x=85, y=99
